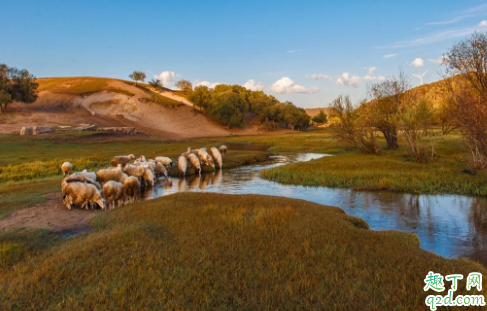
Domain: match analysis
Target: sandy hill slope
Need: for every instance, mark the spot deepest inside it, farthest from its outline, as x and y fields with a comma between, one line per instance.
x=110, y=102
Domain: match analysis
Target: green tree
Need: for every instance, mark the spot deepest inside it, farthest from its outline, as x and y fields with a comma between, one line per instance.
x=137, y=76
x=184, y=85
x=16, y=85
x=320, y=118
x=225, y=108
x=156, y=83
x=201, y=97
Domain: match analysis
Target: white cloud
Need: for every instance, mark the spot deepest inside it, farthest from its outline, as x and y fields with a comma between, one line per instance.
x=371, y=70
x=295, y=51
x=372, y=78
x=167, y=78
x=254, y=85
x=390, y=55
x=346, y=80
x=208, y=84
x=438, y=61
x=433, y=38
x=287, y=86
x=319, y=76
x=483, y=23
x=417, y=62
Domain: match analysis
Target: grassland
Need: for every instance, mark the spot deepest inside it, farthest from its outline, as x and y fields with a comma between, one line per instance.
x=30, y=166
x=194, y=251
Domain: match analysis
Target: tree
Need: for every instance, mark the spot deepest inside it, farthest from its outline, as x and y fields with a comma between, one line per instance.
x=201, y=97
x=16, y=85
x=354, y=127
x=156, y=83
x=467, y=62
x=320, y=118
x=184, y=85
x=225, y=108
x=137, y=76
x=386, y=98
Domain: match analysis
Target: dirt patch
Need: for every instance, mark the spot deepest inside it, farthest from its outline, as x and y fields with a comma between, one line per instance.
x=51, y=215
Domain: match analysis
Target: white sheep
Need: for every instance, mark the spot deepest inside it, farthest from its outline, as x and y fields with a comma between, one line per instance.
x=140, y=160
x=113, y=193
x=223, y=149
x=205, y=157
x=76, y=178
x=66, y=168
x=159, y=168
x=164, y=161
x=111, y=173
x=83, y=194
x=193, y=159
x=217, y=156
x=86, y=174
x=134, y=170
x=182, y=164
x=121, y=160
x=131, y=188
x=148, y=178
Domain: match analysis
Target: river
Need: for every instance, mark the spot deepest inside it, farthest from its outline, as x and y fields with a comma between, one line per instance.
x=453, y=226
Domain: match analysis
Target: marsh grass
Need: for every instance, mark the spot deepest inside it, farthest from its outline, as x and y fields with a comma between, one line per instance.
x=194, y=251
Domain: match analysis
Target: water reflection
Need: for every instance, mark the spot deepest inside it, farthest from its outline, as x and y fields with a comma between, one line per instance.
x=450, y=225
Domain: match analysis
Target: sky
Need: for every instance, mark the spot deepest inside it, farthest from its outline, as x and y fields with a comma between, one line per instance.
x=307, y=52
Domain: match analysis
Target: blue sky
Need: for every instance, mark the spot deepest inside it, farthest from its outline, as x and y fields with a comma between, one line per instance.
x=308, y=52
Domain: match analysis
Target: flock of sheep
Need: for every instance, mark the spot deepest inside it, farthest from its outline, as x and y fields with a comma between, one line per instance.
x=124, y=180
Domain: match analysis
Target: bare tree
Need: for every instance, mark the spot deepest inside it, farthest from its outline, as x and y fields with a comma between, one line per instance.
x=353, y=126
x=467, y=62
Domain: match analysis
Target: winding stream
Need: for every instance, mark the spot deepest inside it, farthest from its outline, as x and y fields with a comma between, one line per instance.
x=452, y=226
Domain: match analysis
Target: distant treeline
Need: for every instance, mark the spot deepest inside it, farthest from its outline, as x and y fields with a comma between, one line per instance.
x=229, y=104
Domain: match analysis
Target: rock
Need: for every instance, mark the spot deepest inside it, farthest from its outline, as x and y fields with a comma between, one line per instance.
x=36, y=130
x=126, y=130
x=26, y=131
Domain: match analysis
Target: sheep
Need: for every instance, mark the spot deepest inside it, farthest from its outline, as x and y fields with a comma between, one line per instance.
x=66, y=168
x=222, y=149
x=188, y=151
x=86, y=174
x=121, y=160
x=217, y=156
x=111, y=173
x=140, y=160
x=131, y=188
x=113, y=193
x=205, y=157
x=193, y=159
x=164, y=161
x=82, y=193
x=134, y=170
x=77, y=178
x=159, y=168
x=182, y=164
x=148, y=178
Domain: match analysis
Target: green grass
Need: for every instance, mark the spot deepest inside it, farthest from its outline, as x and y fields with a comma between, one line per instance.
x=16, y=196
x=195, y=251
x=392, y=170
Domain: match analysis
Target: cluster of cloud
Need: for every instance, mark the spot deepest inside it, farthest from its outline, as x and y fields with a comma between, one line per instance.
x=483, y=23
x=285, y=85
x=167, y=78
x=347, y=80
x=319, y=76
x=390, y=55
x=254, y=85
x=439, y=61
x=417, y=62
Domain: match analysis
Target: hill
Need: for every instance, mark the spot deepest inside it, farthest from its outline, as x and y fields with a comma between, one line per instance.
x=71, y=101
